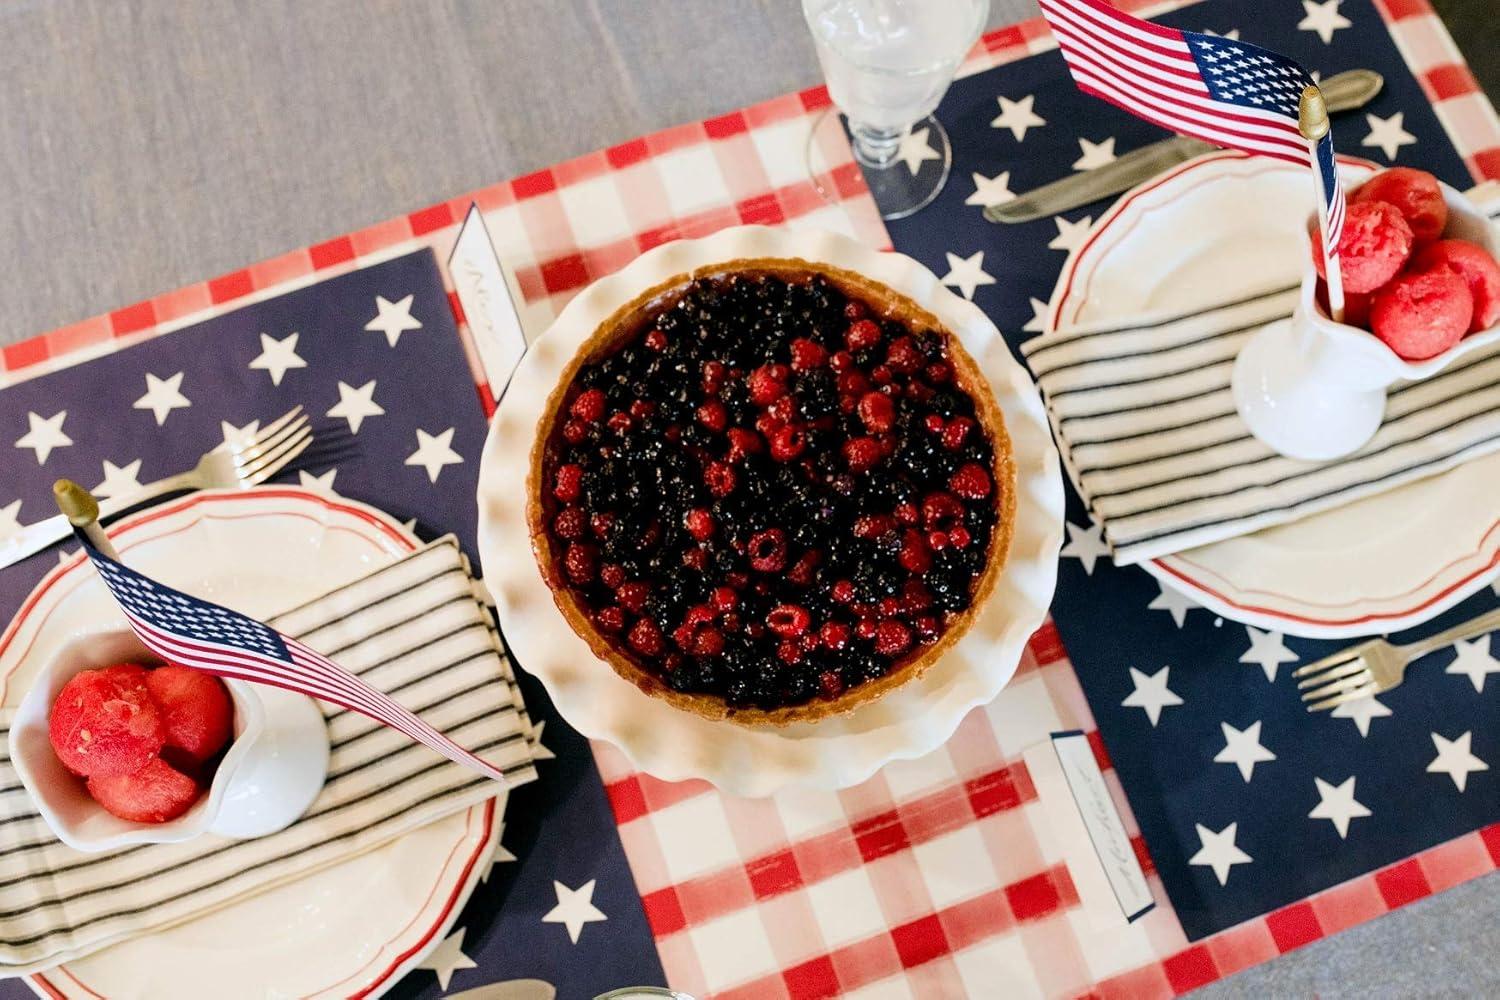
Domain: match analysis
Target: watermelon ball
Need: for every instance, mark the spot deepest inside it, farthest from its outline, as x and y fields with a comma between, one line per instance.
x=195, y=710
x=1479, y=270
x=156, y=793
x=1422, y=313
x=105, y=723
x=1375, y=245
x=1415, y=194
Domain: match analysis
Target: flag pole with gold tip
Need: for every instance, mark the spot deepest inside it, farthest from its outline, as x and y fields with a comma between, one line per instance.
x=1312, y=122
x=82, y=511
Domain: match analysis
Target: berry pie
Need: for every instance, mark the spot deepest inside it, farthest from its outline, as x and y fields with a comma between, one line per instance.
x=770, y=491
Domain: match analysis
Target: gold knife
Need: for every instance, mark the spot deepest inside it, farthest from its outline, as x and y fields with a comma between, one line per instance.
x=1342, y=92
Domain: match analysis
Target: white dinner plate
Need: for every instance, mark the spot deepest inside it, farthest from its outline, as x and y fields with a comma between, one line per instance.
x=672, y=744
x=1227, y=224
x=347, y=930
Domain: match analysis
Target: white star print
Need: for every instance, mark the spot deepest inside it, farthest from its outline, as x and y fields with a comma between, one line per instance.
x=990, y=191
x=1151, y=693
x=1038, y=321
x=501, y=856
x=538, y=750
x=276, y=356
x=1232, y=33
x=239, y=437
x=119, y=480
x=433, y=452
x=1324, y=18
x=162, y=397
x=410, y=524
x=1018, y=116
x=393, y=318
x=10, y=521
x=355, y=405
x=1085, y=544
x=1455, y=760
x=1475, y=661
x=1174, y=602
x=1388, y=133
x=1217, y=851
x=63, y=558
x=447, y=958
x=318, y=484
x=1337, y=805
x=1268, y=651
x=1362, y=710
x=575, y=907
x=916, y=150
x=1095, y=154
x=967, y=273
x=1070, y=235
x=42, y=436
x=1242, y=748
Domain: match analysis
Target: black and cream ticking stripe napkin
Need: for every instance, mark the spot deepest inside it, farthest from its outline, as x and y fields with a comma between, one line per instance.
x=1148, y=429
x=415, y=630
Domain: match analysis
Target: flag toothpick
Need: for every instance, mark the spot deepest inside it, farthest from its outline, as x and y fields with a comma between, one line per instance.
x=82, y=511
x=1312, y=122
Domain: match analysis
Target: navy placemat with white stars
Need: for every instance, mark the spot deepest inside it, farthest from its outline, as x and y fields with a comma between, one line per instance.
x=1246, y=802
x=375, y=358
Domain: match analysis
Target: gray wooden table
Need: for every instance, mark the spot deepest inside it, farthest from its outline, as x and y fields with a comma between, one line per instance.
x=149, y=144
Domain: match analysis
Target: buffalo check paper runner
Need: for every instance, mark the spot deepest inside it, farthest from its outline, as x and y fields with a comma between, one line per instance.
x=940, y=876
x=413, y=629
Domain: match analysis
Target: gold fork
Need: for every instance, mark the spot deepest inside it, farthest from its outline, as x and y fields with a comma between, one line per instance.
x=1376, y=666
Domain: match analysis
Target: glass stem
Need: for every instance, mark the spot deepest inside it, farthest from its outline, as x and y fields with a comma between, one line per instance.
x=875, y=147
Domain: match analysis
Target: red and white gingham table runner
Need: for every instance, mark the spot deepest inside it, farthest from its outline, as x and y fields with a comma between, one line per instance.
x=938, y=877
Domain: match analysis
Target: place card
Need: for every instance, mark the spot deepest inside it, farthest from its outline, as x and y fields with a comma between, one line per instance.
x=479, y=281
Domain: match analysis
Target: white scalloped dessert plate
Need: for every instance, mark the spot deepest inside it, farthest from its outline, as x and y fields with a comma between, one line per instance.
x=910, y=721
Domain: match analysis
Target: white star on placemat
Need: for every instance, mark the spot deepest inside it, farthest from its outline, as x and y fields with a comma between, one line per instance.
x=1174, y=602
x=1038, y=321
x=1151, y=693
x=915, y=150
x=393, y=318
x=539, y=750
x=1474, y=661
x=447, y=958
x=1018, y=116
x=1362, y=710
x=433, y=452
x=119, y=480
x=355, y=405
x=1217, y=851
x=1267, y=651
x=1085, y=544
x=1455, y=759
x=967, y=273
x=318, y=484
x=162, y=397
x=43, y=436
x=10, y=519
x=1388, y=133
x=1242, y=748
x=1324, y=18
x=239, y=437
x=1337, y=805
x=1232, y=33
x=575, y=907
x=1070, y=235
x=501, y=856
x=1095, y=154
x=277, y=356
x=990, y=191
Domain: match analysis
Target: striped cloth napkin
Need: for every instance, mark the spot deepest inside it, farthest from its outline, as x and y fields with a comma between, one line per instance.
x=415, y=630
x=1150, y=436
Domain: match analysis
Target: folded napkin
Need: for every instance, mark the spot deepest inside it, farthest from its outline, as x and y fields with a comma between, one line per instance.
x=1149, y=432
x=413, y=629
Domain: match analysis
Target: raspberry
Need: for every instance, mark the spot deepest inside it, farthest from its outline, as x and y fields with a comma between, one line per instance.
x=877, y=411
x=915, y=597
x=882, y=375
x=853, y=384
x=695, y=559
x=767, y=424
x=787, y=443
x=713, y=415
x=724, y=599
x=853, y=310
x=589, y=406
x=802, y=571
x=862, y=453
x=933, y=422
x=568, y=484
x=834, y=635
x=937, y=541
x=645, y=637
x=743, y=441
x=939, y=509
x=959, y=537
x=707, y=642
x=789, y=651
x=578, y=563
x=927, y=627
x=841, y=361
x=571, y=524
x=632, y=596
x=713, y=375
x=620, y=421
x=865, y=628
x=872, y=525
x=914, y=556
x=656, y=340
x=957, y=432
x=700, y=524
x=767, y=384
x=601, y=523
x=612, y=575
x=903, y=355
x=970, y=481
x=640, y=409
x=767, y=550
x=720, y=479
x=888, y=607
x=574, y=431
x=862, y=335
x=843, y=592
x=892, y=638
x=938, y=373
x=610, y=619
x=907, y=513
x=807, y=355
x=830, y=683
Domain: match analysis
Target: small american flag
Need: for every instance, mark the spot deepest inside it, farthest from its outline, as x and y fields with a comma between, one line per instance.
x=1217, y=89
x=195, y=633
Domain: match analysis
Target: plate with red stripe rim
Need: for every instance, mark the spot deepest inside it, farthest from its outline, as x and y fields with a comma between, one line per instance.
x=1381, y=564
x=350, y=929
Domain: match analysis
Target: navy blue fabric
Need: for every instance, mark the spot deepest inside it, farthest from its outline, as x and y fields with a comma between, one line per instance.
x=559, y=827
x=1168, y=771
